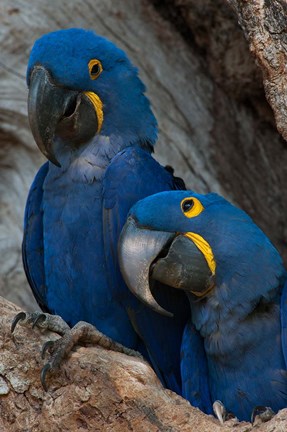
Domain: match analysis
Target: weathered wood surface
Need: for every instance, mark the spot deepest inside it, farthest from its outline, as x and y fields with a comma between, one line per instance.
x=264, y=24
x=95, y=390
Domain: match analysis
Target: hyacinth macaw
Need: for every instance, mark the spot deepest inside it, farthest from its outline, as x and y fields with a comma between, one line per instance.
x=236, y=285
x=91, y=119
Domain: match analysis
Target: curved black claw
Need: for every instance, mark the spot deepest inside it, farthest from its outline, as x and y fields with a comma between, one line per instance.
x=44, y=372
x=47, y=345
x=39, y=320
x=263, y=413
x=21, y=316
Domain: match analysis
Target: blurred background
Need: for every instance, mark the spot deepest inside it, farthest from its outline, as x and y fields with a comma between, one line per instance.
x=215, y=127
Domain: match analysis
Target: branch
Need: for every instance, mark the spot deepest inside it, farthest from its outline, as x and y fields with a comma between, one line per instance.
x=95, y=390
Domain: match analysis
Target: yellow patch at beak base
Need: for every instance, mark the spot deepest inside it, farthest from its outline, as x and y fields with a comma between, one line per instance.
x=98, y=105
x=204, y=248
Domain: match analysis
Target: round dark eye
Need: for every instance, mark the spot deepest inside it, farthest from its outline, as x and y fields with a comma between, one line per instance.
x=187, y=205
x=95, y=69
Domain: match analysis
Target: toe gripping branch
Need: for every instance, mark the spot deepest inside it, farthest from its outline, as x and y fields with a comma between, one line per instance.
x=221, y=412
x=43, y=321
x=21, y=316
x=262, y=413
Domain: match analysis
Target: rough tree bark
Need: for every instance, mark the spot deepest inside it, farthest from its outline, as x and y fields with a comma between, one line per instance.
x=96, y=390
x=216, y=127
x=264, y=24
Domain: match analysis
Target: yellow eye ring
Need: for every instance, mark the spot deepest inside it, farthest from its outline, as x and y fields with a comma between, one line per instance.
x=95, y=68
x=191, y=207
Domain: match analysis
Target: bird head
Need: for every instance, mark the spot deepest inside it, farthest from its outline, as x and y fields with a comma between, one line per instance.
x=82, y=85
x=199, y=243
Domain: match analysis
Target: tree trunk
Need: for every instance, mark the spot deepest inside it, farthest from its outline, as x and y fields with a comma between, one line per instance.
x=216, y=128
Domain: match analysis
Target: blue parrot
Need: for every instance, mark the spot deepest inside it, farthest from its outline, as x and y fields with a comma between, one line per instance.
x=236, y=285
x=90, y=117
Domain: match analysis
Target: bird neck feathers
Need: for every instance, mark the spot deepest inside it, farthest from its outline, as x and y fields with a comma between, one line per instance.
x=89, y=163
x=244, y=284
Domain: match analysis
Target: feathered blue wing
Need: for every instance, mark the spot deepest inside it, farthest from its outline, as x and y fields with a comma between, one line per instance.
x=283, y=311
x=194, y=370
x=32, y=246
x=133, y=175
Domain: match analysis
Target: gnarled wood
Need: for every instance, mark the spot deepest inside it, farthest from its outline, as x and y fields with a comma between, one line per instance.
x=95, y=390
x=265, y=24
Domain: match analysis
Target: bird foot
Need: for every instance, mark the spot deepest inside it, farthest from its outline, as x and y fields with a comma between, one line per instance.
x=221, y=413
x=261, y=414
x=82, y=332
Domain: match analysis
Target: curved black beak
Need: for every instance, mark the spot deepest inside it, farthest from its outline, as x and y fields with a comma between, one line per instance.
x=184, y=267
x=174, y=260
x=58, y=112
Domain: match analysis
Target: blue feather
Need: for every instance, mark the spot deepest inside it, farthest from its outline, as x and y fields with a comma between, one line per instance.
x=124, y=184
x=32, y=245
x=194, y=370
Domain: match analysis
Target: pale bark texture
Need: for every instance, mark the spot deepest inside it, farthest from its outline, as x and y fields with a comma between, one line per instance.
x=95, y=390
x=216, y=129
x=264, y=24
